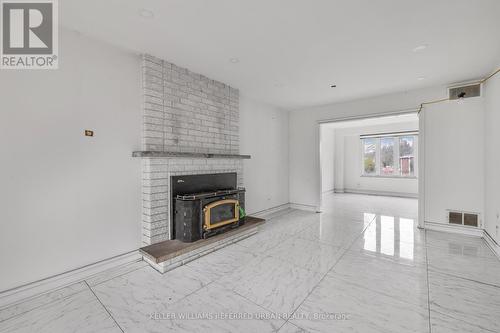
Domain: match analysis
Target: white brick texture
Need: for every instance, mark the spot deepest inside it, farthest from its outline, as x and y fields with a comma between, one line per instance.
x=183, y=112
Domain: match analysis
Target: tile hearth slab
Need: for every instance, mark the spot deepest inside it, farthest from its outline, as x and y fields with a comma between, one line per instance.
x=167, y=255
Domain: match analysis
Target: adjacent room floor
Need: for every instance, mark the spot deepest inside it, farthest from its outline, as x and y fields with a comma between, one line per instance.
x=359, y=266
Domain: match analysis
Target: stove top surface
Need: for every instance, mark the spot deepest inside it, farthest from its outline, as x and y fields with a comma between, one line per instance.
x=196, y=196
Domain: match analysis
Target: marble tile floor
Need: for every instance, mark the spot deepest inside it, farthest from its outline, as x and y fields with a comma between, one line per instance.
x=359, y=266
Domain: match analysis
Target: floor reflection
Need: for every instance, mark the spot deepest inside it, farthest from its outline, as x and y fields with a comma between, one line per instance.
x=368, y=218
x=391, y=236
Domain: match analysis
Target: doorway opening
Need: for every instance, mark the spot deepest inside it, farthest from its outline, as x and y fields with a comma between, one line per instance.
x=376, y=156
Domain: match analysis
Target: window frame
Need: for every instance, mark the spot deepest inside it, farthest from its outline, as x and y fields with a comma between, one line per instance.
x=378, y=162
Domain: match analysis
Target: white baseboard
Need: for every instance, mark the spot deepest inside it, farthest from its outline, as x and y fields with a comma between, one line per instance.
x=310, y=208
x=329, y=191
x=494, y=246
x=468, y=231
x=292, y=205
x=338, y=190
x=273, y=210
x=381, y=193
x=36, y=288
x=457, y=229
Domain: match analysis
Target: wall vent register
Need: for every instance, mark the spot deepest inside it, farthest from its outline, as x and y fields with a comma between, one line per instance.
x=473, y=90
x=463, y=218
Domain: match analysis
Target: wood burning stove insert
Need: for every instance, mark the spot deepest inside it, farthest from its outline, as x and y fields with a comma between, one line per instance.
x=205, y=205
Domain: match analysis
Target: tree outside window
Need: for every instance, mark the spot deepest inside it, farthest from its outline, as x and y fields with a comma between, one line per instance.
x=395, y=155
x=369, y=156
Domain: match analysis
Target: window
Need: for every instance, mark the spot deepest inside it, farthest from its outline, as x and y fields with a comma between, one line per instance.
x=389, y=154
x=369, y=153
x=407, y=155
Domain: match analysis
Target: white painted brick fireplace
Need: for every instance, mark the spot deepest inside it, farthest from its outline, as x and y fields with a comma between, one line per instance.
x=184, y=112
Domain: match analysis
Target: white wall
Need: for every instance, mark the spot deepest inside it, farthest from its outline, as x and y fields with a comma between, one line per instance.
x=351, y=180
x=69, y=200
x=454, y=158
x=264, y=135
x=467, y=121
x=492, y=157
x=327, y=143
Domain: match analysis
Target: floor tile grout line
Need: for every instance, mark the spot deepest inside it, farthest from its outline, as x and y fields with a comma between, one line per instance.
x=42, y=305
x=253, y=302
x=120, y=275
x=264, y=255
x=39, y=295
x=376, y=291
x=324, y=275
x=49, y=303
x=485, y=257
x=192, y=292
x=105, y=308
x=214, y=282
x=464, y=278
x=346, y=250
x=463, y=321
x=34, y=297
x=279, y=242
x=340, y=248
x=211, y=282
x=428, y=282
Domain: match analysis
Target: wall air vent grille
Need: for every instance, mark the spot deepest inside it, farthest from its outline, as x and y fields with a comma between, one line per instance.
x=463, y=218
x=455, y=218
x=473, y=90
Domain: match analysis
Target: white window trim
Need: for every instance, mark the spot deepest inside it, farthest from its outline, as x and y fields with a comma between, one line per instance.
x=397, y=136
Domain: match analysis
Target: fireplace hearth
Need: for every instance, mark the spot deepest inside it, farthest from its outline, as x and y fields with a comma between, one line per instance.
x=206, y=205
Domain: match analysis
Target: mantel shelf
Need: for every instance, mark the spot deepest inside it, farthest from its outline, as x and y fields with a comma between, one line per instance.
x=173, y=154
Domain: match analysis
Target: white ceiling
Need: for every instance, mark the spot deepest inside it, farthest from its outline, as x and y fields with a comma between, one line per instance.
x=291, y=51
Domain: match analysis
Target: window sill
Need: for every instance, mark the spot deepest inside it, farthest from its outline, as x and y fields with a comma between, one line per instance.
x=392, y=177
